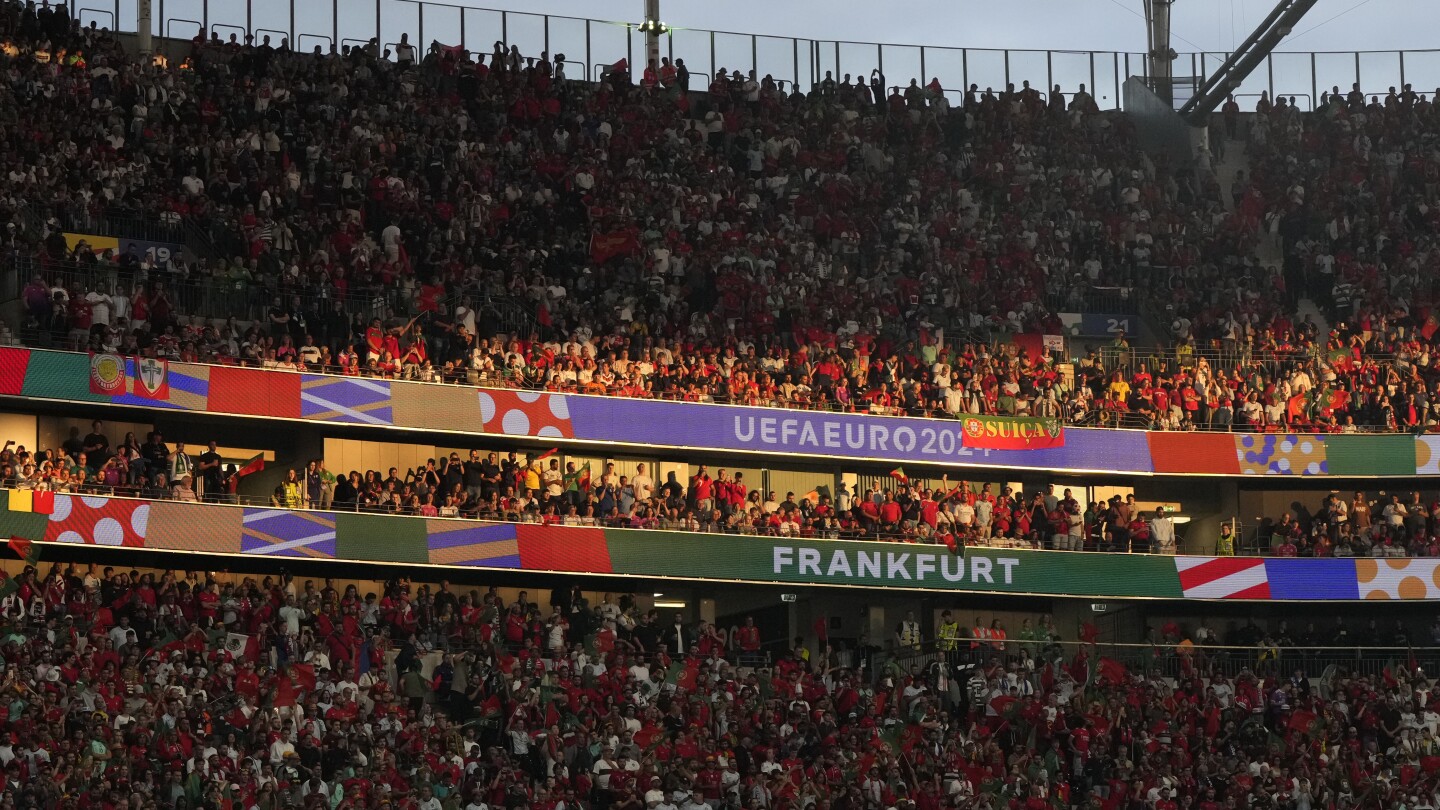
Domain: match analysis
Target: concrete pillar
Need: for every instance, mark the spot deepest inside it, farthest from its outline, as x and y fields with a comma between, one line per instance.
x=1161, y=57
x=142, y=28
x=652, y=37
x=877, y=628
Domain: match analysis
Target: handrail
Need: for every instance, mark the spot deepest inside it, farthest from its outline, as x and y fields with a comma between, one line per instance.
x=170, y=24
x=1309, y=101
x=244, y=39
x=283, y=37
x=80, y=15
x=1169, y=657
x=301, y=40
x=1168, y=645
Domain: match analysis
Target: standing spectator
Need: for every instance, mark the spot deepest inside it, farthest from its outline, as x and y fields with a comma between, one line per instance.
x=180, y=462
x=211, y=474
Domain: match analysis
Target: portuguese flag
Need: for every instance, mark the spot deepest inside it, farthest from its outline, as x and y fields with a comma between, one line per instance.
x=1012, y=433
x=254, y=465
x=25, y=550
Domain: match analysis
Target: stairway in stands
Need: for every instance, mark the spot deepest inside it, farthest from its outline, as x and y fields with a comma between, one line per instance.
x=1270, y=251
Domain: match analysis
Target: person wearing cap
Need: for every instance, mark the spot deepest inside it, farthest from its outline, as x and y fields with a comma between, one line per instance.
x=604, y=766
x=696, y=801
x=708, y=781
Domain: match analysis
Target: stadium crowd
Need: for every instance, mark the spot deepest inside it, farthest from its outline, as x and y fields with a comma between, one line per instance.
x=828, y=249
x=489, y=487
x=513, y=486
x=178, y=691
x=173, y=690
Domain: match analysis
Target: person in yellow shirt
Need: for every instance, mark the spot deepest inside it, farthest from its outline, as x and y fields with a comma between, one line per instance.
x=1119, y=386
x=532, y=477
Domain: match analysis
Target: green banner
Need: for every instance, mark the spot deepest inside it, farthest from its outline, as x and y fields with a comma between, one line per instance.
x=380, y=538
x=19, y=524
x=891, y=565
x=1368, y=454
x=60, y=375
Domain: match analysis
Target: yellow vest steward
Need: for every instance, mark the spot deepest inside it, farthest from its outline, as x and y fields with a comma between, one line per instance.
x=949, y=635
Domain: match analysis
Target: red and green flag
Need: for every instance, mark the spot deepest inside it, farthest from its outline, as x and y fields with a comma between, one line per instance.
x=1431, y=326
x=686, y=676
x=899, y=475
x=254, y=465
x=25, y=550
x=1306, y=722
x=606, y=245
x=305, y=676
x=648, y=737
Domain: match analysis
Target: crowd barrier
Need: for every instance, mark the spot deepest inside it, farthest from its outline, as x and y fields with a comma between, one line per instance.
x=1171, y=658
x=579, y=419
x=361, y=537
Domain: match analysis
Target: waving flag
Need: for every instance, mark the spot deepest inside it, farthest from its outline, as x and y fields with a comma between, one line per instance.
x=237, y=644
x=25, y=550
x=305, y=676
x=606, y=246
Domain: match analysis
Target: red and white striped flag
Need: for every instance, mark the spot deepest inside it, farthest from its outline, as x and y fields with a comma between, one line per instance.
x=1223, y=577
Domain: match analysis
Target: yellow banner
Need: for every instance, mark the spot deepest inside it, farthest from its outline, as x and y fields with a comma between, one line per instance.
x=97, y=244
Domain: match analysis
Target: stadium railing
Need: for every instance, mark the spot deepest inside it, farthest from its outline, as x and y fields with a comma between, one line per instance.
x=1167, y=658
x=801, y=61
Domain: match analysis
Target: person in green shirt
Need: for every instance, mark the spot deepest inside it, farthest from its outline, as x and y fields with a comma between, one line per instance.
x=327, y=485
x=99, y=756
x=1030, y=638
x=414, y=688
